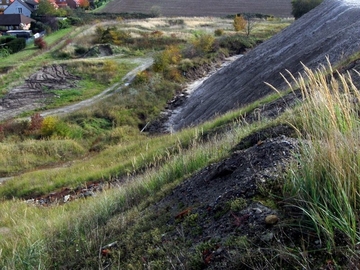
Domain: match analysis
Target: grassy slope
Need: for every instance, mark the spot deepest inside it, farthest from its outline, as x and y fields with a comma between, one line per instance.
x=71, y=235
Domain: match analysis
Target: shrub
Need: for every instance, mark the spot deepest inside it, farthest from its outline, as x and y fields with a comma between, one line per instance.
x=186, y=65
x=6, y=39
x=36, y=122
x=12, y=127
x=155, y=11
x=174, y=74
x=48, y=126
x=109, y=71
x=300, y=7
x=236, y=44
x=219, y=32
x=110, y=35
x=171, y=55
x=64, y=24
x=54, y=126
x=4, y=52
x=239, y=23
x=142, y=77
x=40, y=43
x=176, y=22
x=204, y=43
x=16, y=45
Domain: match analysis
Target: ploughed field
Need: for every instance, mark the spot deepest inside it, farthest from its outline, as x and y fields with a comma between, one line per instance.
x=278, y=8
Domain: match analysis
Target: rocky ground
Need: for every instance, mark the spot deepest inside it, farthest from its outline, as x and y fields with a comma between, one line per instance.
x=230, y=200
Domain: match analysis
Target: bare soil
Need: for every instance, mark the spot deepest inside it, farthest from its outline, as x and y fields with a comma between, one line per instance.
x=36, y=91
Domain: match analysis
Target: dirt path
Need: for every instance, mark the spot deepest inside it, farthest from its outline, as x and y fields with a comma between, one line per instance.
x=31, y=95
x=144, y=64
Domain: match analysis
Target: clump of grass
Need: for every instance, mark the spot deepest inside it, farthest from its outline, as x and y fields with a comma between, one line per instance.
x=21, y=156
x=325, y=184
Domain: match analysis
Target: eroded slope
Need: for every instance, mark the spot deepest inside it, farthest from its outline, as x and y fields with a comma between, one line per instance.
x=330, y=30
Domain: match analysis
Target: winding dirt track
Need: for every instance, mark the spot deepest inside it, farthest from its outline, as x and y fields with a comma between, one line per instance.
x=144, y=64
x=31, y=95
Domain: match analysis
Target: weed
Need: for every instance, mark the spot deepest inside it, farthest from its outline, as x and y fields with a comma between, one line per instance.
x=237, y=204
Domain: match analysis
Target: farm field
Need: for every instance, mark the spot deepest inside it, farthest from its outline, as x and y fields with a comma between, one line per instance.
x=278, y=8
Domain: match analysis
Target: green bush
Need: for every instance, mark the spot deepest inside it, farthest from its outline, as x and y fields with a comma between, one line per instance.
x=203, y=43
x=64, y=24
x=16, y=45
x=218, y=32
x=6, y=39
x=237, y=43
x=300, y=7
x=4, y=52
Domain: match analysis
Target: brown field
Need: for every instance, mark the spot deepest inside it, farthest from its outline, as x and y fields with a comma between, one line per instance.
x=278, y=8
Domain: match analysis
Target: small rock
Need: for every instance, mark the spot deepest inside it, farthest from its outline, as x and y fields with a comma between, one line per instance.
x=66, y=198
x=271, y=219
x=257, y=210
x=267, y=237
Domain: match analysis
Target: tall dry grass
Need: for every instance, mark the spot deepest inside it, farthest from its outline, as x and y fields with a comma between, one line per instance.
x=325, y=183
x=70, y=234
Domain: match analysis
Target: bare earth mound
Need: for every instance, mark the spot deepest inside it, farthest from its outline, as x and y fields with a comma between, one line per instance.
x=36, y=91
x=330, y=30
x=279, y=8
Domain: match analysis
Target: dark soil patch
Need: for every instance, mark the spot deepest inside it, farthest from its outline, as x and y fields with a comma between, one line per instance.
x=229, y=201
x=36, y=90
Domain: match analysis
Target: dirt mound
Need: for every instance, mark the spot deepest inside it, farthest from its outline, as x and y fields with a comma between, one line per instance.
x=281, y=8
x=224, y=202
x=332, y=29
x=36, y=90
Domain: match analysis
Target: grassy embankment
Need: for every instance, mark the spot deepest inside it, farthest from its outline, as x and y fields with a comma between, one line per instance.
x=323, y=184
x=71, y=235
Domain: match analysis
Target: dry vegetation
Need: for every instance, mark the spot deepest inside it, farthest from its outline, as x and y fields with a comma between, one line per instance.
x=103, y=144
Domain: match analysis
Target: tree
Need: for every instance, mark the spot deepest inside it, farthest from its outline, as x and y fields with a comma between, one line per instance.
x=239, y=23
x=300, y=7
x=46, y=8
x=249, y=24
x=84, y=4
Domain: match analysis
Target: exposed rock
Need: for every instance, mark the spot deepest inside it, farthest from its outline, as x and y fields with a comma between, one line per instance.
x=271, y=219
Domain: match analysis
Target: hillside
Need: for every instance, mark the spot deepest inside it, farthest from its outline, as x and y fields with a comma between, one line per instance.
x=329, y=31
x=278, y=8
x=271, y=182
